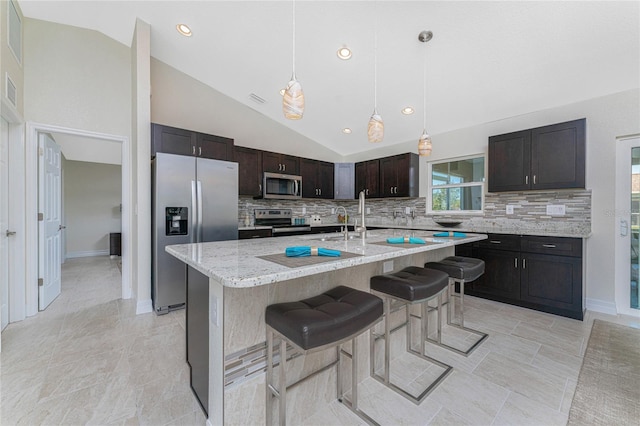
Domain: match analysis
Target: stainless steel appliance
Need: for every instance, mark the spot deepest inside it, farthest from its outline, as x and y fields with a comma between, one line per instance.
x=281, y=222
x=279, y=186
x=193, y=200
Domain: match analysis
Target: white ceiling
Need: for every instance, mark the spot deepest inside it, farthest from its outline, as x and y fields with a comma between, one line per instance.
x=487, y=60
x=83, y=148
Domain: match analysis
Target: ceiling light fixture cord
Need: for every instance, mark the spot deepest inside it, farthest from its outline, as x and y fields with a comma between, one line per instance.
x=375, y=128
x=424, y=143
x=293, y=98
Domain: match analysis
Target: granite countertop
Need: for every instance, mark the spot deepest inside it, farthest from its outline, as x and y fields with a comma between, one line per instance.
x=236, y=263
x=540, y=231
x=253, y=228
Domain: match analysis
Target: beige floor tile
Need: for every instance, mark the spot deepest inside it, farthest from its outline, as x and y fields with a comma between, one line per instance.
x=557, y=362
x=447, y=418
x=527, y=380
x=513, y=347
x=471, y=397
x=521, y=411
x=562, y=340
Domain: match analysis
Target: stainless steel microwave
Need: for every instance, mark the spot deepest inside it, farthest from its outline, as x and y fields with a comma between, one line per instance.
x=284, y=187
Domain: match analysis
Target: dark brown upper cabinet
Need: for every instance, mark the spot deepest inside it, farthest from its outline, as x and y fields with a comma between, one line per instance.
x=172, y=140
x=317, y=178
x=549, y=157
x=280, y=163
x=399, y=175
x=368, y=178
x=249, y=170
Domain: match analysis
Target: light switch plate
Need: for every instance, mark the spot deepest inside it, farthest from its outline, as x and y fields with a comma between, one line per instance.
x=368, y=210
x=407, y=210
x=304, y=210
x=556, y=209
x=509, y=208
x=387, y=266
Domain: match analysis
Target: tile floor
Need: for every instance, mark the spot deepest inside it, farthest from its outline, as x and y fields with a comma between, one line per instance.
x=88, y=359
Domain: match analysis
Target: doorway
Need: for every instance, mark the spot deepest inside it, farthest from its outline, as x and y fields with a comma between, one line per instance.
x=33, y=132
x=4, y=223
x=627, y=217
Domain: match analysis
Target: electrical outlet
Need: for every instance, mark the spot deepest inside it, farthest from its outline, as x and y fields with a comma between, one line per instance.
x=556, y=209
x=387, y=266
x=407, y=210
x=509, y=208
x=304, y=210
x=368, y=210
x=333, y=210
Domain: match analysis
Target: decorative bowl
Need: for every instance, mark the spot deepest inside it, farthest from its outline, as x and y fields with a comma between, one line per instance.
x=447, y=223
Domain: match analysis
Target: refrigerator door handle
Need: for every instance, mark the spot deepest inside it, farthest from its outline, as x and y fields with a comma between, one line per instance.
x=194, y=214
x=200, y=237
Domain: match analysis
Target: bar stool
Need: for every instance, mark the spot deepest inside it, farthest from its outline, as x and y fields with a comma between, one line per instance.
x=460, y=270
x=409, y=286
x=314, y=324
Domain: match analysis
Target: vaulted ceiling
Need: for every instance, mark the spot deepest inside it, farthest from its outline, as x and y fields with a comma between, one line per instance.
x=486, y=61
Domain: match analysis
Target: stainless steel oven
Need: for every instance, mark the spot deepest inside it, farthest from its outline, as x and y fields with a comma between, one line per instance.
x=280, y=221
x=279, y=186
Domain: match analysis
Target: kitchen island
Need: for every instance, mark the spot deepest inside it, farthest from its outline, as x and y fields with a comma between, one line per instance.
x=229, y=285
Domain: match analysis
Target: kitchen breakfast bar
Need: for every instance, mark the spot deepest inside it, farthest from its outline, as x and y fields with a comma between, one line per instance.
x=229, y=286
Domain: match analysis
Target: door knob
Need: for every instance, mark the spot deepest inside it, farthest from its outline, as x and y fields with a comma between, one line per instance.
x=10, y=233
x=61, y=227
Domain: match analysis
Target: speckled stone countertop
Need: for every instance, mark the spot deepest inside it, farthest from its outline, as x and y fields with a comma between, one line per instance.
x=235, y=263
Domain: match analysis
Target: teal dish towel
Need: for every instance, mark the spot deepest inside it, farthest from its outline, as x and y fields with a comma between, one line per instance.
x=450, y=234
x=405, y=240
x=305, y=251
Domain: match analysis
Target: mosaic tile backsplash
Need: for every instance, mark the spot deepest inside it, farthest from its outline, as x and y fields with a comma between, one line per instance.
x=529, y=214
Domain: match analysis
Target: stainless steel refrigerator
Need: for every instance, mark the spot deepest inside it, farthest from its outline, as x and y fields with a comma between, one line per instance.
x=193, y=200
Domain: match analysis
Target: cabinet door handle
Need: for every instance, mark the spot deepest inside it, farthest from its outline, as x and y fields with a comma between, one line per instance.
x=526, y=180
x=367, y=192
x=260, y=187
x=320, y=191
x=549, y=245
x=515, y=262
x=193, y=150
x=200, y=151
x=524, y=263
x=495, y=242
x=534, y=179
x=284, y=167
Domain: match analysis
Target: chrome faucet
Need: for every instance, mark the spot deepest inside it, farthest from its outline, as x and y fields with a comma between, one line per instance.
x=361, y=209
x=345, y=229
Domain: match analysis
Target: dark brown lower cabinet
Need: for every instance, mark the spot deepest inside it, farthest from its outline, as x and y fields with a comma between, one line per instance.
x=552, y=281
x=542, y=273
x=501, y=276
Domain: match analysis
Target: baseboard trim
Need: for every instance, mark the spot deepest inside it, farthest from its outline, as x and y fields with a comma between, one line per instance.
x=601, y=306
x=144, y=306
x=88, y=253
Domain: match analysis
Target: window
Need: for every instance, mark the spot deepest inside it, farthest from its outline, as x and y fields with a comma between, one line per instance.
x=456, y=186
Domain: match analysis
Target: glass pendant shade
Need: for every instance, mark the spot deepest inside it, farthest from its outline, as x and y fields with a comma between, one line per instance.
x=424, y=144
x=293, y=100
x=375, y=130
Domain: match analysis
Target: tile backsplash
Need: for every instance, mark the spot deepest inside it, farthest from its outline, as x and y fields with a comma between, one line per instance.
x=529, y=212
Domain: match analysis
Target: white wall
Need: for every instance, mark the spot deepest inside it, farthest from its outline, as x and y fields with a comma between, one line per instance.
x=92, y=197
x=76, y=78
x=180, y=101
x=607, y=118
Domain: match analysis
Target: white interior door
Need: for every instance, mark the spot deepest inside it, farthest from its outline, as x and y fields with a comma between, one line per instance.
x=5, y=233
x=627, y=217
x=50, y=206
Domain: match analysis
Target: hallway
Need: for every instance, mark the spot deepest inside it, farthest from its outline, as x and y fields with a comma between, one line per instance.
x=88, y=359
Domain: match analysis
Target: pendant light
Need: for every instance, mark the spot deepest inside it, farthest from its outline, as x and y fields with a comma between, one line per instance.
x=424, y=143
x=375, y=129
x=293, y=98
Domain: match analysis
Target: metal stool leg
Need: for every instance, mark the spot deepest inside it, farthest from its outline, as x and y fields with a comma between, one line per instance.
x=282, y=406
x=269, y=378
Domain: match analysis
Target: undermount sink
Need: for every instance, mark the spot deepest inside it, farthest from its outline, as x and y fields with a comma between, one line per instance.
x=339, y=236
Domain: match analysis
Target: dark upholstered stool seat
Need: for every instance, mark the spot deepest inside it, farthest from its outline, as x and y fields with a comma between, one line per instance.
x=412, y=283
x=326, y=318
x=315, y=324
x=459, y=267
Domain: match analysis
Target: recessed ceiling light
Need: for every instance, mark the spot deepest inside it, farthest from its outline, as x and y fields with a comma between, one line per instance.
x=184, y=30
x=344, y=53
x=346, y=131
x=407, y=110
x=282, y=92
